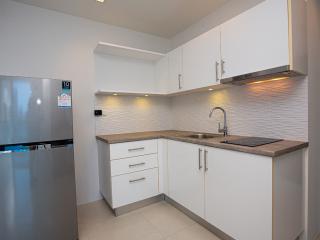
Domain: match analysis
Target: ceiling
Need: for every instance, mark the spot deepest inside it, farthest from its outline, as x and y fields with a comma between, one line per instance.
x=164, y=18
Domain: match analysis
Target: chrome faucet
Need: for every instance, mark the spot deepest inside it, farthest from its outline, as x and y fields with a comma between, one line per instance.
x=223, y=130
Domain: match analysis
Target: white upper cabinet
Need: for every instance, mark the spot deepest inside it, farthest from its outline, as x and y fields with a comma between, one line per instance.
x=201, y=59
x=185, y=173
x=256, y=40
x=175, y=83
x=269, y=36
x=162, y=75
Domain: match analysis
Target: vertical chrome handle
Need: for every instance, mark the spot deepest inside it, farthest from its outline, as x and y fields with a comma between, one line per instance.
x=222, y=67
x=179, y=79
x=205, y=160
x=217, y=71
x=199, y=158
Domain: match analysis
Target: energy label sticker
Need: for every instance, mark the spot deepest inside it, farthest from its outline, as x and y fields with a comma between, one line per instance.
x=64, y=100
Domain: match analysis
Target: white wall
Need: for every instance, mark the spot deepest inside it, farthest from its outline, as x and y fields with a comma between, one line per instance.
x=42, y=43
x=314, y=117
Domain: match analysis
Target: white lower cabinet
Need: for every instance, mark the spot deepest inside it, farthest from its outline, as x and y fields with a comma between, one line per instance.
x=246, y=196
x=238, y=194
x=128, y=172
x=185, y=172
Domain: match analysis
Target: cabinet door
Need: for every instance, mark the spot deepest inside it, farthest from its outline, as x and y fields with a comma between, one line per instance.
x=238, y=194
x=162, y=75
x=201, y=57
x=186, y=178
x=256, y=39
x=175, y=70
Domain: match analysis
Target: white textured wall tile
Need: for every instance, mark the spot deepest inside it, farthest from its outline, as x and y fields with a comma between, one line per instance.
x=133, y=114
x=275, y=109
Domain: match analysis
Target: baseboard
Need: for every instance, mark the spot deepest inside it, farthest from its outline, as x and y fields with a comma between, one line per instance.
x=133, y=206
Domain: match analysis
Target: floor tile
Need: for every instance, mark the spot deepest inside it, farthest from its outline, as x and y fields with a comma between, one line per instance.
x=167, y=219
x=193, y=232
x=159, y=221
x=131, y=226
x=94, y=212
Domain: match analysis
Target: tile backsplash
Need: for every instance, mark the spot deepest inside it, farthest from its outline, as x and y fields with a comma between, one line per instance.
x=275, y=109
x=133, y=114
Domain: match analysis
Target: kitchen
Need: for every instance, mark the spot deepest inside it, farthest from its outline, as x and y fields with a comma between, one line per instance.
x=42, y=43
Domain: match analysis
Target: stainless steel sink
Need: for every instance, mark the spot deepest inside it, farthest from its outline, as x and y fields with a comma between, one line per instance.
x=204, y=136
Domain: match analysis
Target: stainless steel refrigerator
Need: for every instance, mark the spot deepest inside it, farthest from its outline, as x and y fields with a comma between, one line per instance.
x=37, y=179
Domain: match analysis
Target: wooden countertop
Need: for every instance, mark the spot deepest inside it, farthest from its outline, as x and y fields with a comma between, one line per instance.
x=270, y=150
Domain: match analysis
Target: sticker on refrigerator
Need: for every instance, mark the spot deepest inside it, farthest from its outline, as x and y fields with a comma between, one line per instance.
x=64, y=100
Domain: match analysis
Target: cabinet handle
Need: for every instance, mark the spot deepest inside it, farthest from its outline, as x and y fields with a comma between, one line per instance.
x=179, y=79
x=136, y=149
x=205, y=161
x=222, y=67
x=199, y=158
x=217, y=71
x=137, y=180
x=136, y=165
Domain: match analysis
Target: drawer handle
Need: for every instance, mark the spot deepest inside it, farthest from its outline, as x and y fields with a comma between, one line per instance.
x=137, y=180
x=136, y=165
x=136, y=149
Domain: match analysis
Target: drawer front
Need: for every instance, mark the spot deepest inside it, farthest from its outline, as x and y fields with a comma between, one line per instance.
x=132, y=149
x=133, y=187
x=134, y=164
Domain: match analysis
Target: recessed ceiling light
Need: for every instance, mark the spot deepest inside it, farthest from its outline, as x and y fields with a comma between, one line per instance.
x=100, y=1
x=210, y=89
x=115, y=94
x=146, y=95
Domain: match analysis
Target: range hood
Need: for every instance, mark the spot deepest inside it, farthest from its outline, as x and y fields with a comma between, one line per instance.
x=273, y=74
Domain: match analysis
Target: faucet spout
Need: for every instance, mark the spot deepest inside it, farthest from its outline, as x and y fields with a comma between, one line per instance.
x=223, y=130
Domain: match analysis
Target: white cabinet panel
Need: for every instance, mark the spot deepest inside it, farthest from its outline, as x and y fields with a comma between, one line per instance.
x=238, y=194
x=162, y=75
x=201, y=57
x=186, y=179
x=133, y=164
x=256, y=39
x=175, y=83
x=133, y=187
x=132, y=149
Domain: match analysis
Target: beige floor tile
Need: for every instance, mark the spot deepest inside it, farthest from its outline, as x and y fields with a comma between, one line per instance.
x=193, y=232
x=167, y=219
x=131, y=226
x=94, y=213
x=159, y=221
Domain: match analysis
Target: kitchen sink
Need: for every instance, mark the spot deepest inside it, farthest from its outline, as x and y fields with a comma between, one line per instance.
x=204, y=136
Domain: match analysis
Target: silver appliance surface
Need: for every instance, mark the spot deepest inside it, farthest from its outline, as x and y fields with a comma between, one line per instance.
x=283, y=72
x=252, y=141
x=37, y=176
x=29, y=111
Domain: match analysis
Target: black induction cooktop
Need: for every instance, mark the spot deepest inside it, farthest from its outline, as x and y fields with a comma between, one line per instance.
x=252, y=141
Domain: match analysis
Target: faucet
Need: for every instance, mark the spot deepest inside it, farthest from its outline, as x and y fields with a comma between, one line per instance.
x=223, y=130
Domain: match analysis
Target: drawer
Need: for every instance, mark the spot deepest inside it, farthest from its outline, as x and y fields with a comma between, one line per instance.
x=133, y=164
x=133, y=187
x=132, y=149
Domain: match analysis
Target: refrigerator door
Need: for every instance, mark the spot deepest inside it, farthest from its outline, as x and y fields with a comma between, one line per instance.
x=38, y=199
x=29, y=110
